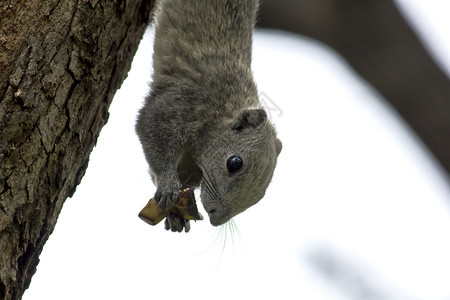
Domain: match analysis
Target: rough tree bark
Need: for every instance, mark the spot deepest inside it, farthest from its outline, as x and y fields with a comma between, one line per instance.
x=377, y=42
x=61, y=62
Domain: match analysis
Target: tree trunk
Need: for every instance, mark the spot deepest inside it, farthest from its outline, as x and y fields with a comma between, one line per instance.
x=374, y=38
x=61, y=62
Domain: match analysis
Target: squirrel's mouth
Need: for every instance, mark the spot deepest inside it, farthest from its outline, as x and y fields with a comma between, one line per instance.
x=216, y=218
x=216, y=207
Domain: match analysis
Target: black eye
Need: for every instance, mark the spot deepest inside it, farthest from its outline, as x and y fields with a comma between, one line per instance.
x=234, y=164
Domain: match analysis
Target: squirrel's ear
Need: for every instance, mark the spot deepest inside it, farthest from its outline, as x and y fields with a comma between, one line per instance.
x=278, y=145
x=250, y=118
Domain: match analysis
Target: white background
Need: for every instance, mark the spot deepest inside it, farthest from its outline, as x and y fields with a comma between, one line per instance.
x=356, y=210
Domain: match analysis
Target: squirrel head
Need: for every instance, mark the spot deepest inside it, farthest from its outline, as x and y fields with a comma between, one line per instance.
x=237, y=164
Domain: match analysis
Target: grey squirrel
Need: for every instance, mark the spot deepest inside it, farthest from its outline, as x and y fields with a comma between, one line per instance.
x=202, y=124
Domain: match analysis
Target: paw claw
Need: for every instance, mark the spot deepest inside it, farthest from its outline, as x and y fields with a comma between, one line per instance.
x=176, y=223
x=166, y=200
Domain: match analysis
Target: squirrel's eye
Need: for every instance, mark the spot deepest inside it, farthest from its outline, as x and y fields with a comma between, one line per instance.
x=234, y=164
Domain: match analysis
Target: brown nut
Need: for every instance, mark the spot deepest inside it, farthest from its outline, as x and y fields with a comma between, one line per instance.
x=151, y=214
x=185, y=206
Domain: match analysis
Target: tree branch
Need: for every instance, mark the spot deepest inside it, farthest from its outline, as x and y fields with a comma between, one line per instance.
x=377, y=42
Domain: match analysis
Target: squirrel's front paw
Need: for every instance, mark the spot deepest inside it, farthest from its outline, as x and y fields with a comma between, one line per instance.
x=166, y=197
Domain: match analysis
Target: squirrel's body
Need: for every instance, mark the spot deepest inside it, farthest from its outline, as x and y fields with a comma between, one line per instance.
x=203, y=112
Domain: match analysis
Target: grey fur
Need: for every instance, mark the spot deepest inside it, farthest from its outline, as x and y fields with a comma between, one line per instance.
x=203, y=107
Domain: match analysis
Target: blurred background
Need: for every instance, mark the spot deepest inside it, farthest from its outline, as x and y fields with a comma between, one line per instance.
x=358, y=208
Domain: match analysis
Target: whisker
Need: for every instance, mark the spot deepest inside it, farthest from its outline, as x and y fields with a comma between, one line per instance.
x=206, y=177
x=234, y=230
x=210, y=185
x=187, y=179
